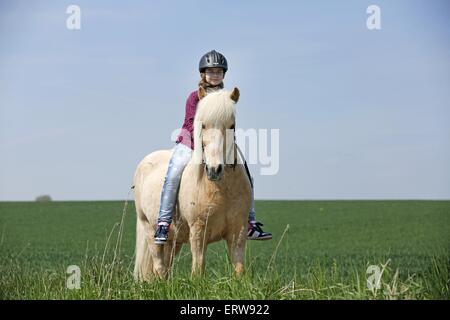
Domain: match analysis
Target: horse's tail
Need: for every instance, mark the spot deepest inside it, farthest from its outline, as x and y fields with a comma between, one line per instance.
x=143, y=267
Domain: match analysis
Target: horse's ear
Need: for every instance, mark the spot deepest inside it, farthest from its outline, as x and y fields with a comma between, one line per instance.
x=235, y=95
x=201, y=93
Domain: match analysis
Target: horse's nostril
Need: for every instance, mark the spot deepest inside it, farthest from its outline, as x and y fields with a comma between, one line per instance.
x=214, y=173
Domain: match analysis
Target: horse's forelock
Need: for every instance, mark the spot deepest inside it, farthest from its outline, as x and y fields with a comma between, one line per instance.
x=216, y=108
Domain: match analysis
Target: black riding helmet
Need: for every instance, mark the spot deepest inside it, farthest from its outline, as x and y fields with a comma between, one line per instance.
x=213, y=59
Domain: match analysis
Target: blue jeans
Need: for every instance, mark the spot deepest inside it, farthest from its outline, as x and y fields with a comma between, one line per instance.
x=181, y=155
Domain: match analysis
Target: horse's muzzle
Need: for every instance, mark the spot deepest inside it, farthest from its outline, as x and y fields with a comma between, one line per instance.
x=214, y=173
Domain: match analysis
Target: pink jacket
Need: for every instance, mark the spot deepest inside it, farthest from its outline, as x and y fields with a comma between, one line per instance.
x=186, y=136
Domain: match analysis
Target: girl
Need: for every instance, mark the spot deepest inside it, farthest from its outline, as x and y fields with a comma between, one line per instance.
x=212, y=67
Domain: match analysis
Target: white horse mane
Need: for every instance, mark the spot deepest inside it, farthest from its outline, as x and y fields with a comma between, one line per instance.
x=214, y=109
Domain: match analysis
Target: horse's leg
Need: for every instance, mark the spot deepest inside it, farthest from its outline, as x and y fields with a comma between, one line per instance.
x=171, y=251
x=159, y=266
x=236, y=249
x=198, y=248
x=149, y=256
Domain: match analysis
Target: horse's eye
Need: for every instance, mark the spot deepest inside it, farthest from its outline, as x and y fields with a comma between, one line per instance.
x=203, y=126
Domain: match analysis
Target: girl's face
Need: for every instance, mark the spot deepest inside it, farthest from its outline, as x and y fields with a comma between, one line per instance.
x=214, y=76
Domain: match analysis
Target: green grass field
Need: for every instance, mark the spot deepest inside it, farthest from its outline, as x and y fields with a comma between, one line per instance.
x=320, y=250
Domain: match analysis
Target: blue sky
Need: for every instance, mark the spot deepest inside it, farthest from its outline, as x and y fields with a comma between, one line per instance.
x=362, y=114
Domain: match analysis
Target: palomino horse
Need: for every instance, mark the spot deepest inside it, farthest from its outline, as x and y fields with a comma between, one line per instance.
x=214, y=196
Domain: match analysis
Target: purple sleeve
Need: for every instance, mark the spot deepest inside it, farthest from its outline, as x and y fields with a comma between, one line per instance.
x=191, y=108
x=187, y=131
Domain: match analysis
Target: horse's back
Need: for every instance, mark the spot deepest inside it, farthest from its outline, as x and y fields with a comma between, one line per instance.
x=148, y=180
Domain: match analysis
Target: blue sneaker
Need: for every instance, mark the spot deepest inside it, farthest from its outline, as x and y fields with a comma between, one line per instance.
x=162, y=233
x=256, y=233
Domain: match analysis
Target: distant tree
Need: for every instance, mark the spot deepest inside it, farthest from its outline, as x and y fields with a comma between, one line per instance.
x=43, y=198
